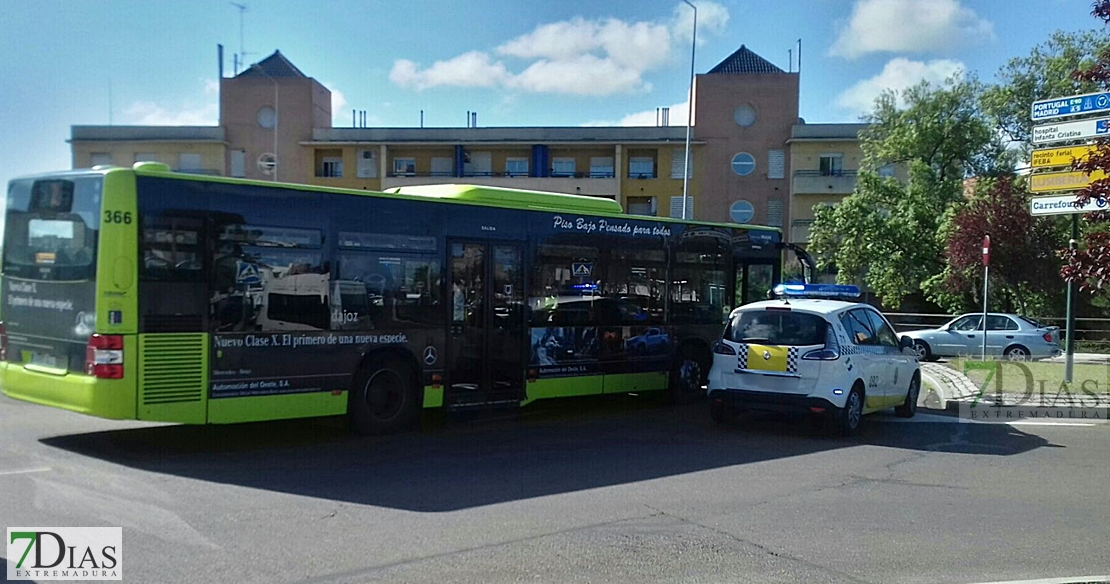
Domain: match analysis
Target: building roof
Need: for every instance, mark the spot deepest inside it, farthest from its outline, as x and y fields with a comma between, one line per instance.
x=744, y=61
x=276, y=65
x=147, y=133
x=525, y=135
x=806, y=132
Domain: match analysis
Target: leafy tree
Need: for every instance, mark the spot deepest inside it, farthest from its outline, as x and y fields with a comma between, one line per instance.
x=1024, y=262
x=1089, y=263
x=884, y=234
x=1044, y=74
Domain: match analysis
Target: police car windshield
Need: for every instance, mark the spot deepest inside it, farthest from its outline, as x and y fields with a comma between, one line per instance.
x=777, y=327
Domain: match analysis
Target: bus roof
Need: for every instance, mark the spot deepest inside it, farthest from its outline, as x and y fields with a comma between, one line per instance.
x=478, y=195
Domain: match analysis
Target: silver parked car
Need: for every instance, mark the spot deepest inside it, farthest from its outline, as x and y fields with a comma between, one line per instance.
x=1009, y=335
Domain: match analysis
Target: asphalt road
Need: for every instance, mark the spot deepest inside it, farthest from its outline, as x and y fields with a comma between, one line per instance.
x=629, y=492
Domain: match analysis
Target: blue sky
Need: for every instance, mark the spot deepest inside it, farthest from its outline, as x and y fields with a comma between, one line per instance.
x=516, y=63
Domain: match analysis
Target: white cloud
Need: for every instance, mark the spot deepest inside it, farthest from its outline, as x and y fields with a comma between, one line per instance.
x=145, y=113
x=211, y=86
x=712, y=19
x=912, y=26
x=576, y=56
x=473, y=69
x=677, y=117
x=898, y=74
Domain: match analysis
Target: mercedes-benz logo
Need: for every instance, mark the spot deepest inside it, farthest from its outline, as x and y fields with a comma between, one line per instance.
x=430, y=355
x=766, y=355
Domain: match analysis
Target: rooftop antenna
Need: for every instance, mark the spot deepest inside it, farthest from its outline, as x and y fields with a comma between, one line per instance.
x=240, y=58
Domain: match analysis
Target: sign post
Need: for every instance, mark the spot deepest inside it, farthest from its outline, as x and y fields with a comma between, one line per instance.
x=986, y=284
x=1067, y=182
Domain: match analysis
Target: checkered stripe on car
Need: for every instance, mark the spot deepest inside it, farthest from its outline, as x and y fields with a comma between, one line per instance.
x=742, y=356
x=792, y=360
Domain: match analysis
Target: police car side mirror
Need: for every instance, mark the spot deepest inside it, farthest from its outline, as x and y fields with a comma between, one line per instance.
x=905, y=342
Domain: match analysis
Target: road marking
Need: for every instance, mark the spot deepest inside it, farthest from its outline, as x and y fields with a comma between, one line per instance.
x=24, y=471
x=1075, y=580
x=923, y=418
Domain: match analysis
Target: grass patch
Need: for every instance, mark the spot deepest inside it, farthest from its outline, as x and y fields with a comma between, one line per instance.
x=1037, y=377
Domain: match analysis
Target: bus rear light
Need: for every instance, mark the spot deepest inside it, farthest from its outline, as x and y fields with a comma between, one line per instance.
x=104, y=356
x=3, y=342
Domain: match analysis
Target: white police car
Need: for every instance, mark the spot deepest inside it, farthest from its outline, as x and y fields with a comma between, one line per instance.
x=808, y=353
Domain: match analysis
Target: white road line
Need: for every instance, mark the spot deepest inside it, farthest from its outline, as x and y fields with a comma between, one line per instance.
x=1075, y=580
x=25, y=471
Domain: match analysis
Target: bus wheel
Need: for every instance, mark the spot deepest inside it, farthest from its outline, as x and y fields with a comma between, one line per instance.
x=686, y=379
x=383, y=398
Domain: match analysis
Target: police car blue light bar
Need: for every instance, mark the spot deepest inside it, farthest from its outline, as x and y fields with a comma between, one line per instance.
x=817, y=290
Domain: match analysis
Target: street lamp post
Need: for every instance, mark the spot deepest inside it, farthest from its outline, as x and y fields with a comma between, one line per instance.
x=689, y=114
x=277, y=115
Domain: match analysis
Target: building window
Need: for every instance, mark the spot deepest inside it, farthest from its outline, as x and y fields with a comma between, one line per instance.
x=562, y=166
x=641, y=167
x=443, y=166
x=744, y=116
x=516, y=167
x=774, y=213
x=146, y=157
x=188, y=162
x=776, y=164
x=267, y=117
x=832, y=164
x=404, y=167
x=100, y=158
x=678, y=165
x=331, y=167
x=886, y=170
x=239, y=163
x=641, y=206
x=743, y=164
x=367, y=166
x=601, y=167
x=478, y=164
x=676, y=207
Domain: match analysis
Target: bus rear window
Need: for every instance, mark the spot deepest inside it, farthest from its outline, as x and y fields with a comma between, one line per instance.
x=777, y=327
x=50, y=228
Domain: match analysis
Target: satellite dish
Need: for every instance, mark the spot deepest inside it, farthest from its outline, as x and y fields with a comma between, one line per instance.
x=267, y=163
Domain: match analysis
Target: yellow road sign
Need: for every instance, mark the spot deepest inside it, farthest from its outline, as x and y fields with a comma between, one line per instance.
x=1062, y=181
x=1048, y=157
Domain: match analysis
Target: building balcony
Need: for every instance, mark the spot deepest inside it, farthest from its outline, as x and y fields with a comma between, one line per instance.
x=814, y=182
x=601, y=187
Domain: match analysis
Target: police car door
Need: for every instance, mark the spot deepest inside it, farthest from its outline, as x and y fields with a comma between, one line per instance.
x=862, y=354
x=899, y=365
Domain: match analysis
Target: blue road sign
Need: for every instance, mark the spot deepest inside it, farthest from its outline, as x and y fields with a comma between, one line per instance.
x=1074, y=105
x=582, y=269
x=246, y=273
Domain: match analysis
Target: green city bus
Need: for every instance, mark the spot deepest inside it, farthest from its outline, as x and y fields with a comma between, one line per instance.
x=141, y=293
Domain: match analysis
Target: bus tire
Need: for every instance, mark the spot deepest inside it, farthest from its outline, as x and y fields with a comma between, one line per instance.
x=383, y=397
x=686, y=378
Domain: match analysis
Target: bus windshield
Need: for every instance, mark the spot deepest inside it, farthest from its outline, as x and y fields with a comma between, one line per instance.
x=50, y=228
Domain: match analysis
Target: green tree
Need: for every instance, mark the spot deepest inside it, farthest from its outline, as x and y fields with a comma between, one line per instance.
x=884, y=235
x=1045, y=73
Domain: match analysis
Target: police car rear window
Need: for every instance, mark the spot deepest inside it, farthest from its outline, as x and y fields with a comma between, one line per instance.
x=777, y=327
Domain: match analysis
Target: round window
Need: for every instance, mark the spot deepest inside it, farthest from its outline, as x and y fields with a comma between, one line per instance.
x=267, y=117
x=744, y=115
x=743, y=164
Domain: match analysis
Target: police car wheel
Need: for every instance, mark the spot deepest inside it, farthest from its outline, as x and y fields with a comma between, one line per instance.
x=686, y=380
x=850, y=417
x=909, y=407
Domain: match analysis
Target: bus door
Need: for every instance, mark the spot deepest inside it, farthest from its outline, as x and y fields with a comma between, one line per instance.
x=754, y=279
x=485, y=340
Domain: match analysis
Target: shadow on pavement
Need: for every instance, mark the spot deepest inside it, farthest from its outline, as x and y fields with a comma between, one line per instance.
x=561, y=447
